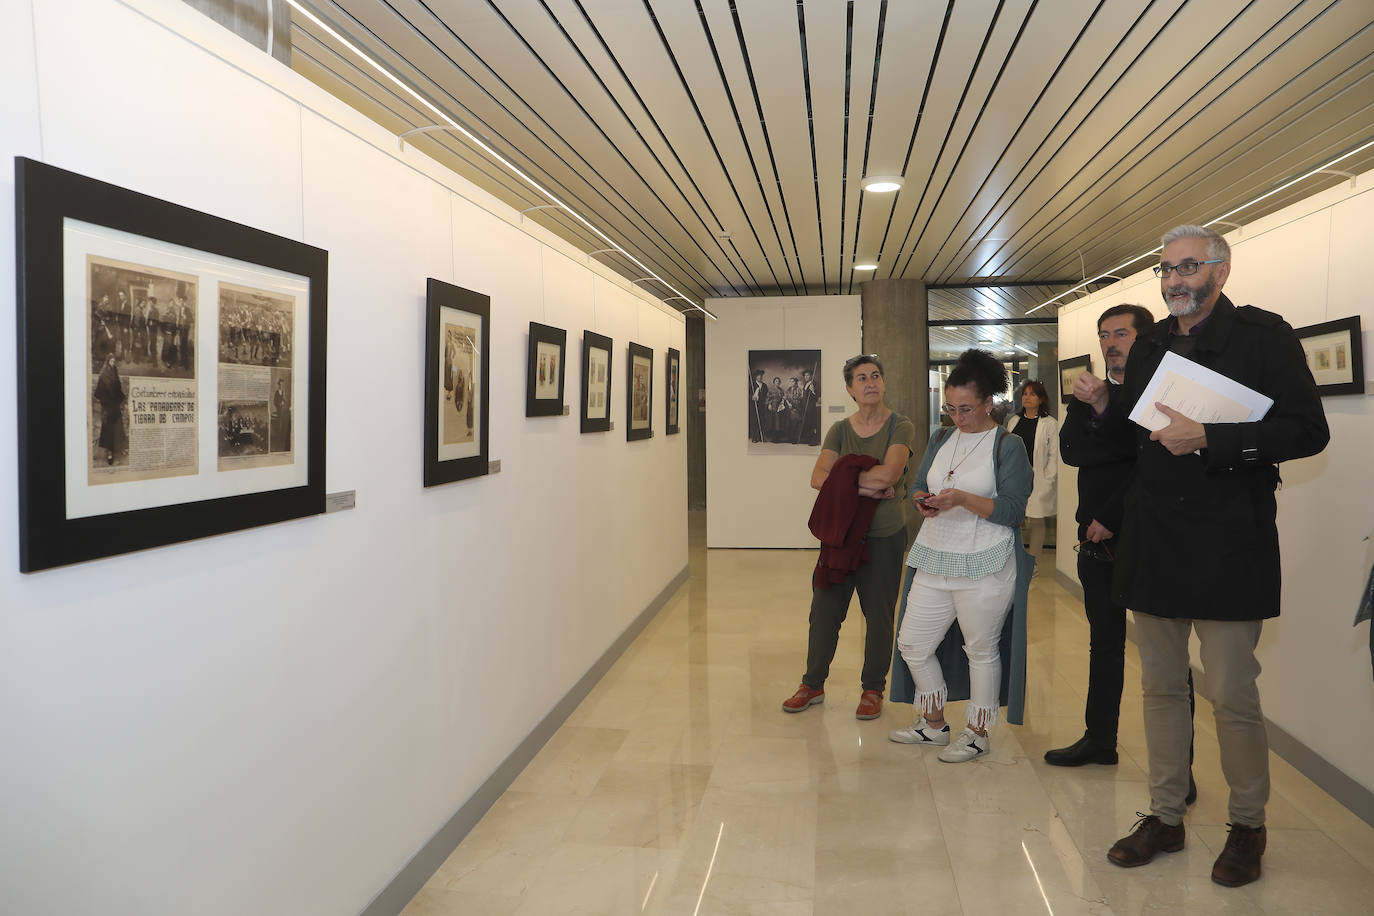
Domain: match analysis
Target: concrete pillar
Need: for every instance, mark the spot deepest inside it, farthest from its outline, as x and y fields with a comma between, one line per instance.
x=689, y=386
x=264, y=23
x=894, y=327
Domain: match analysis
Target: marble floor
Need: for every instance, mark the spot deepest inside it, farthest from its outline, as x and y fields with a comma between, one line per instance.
x=680, y=787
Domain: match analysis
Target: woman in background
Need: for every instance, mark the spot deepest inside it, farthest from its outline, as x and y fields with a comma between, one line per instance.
x=1039, y=430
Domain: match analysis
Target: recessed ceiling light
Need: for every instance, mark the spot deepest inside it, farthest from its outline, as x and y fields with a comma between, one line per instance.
x=949, y=327
x=881, y=184
x=865, y=266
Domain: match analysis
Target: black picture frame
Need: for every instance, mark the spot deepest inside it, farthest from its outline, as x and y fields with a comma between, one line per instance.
x=72, y=225
x=672, y=392
x=1335, y=355
x=457, y=355
x=1070, y=369
x=639, y=392
x=597, y=358
x=545, y=370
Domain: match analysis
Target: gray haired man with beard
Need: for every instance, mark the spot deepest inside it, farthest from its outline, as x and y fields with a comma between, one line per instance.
x=1200, y=542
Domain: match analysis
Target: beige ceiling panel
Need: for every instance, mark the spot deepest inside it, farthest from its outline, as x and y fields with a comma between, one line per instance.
x=391, y=35
x=540, y=144
x=1088, y=123
x=587, y=117
x=910, y=34
x=825, y=52
x=768, y=219
x=979, y=36
x=658, y=149
x=773, y=37
x=862, y=48
x=1011, y=108
x=729, y=197
x=1152, y=102
x=1075, y=85
x=1245, y=132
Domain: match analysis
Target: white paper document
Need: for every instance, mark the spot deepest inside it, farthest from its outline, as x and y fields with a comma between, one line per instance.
x=1198, y=393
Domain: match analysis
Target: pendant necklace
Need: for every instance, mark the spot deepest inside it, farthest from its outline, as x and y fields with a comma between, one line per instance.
x=954, y=466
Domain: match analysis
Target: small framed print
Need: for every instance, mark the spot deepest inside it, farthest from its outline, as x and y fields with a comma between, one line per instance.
x=544, y=372
x=457, y=371
x=639, y=393
x=596, y=382
x=1069, y=371
x=672, y=371
x=1335, y=355
x=171, y=371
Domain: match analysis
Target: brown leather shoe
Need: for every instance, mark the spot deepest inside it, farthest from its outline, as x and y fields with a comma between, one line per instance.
x=1149, y=836
x=1239, y=862
x=803, y=698
x=870, y=705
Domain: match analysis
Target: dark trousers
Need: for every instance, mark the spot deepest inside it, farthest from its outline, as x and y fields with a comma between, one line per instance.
x=1106, y=650
x=878, y=582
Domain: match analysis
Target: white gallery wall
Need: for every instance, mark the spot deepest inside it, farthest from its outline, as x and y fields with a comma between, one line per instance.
x=765, y=500
x=1310, y=263
x=274, y=721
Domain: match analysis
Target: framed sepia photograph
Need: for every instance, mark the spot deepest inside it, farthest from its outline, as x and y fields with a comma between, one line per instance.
x=1335, y=355
x=171, y=371
x=544, y=371
x=671, y=370
x=784, y=402
x=457, y=371
x=1069, y=371
x=596, y=382
x=639, y=392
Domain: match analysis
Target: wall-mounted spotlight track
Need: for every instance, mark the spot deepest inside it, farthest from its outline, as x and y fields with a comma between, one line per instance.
x=472, y=138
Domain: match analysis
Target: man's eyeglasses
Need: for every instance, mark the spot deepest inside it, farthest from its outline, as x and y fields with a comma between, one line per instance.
x=1183, y=268
x=1095, y=550
x=963, y=410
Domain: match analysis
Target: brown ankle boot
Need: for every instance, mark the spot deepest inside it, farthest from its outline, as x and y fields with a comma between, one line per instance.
x=1149, y=836
x=1239, y=862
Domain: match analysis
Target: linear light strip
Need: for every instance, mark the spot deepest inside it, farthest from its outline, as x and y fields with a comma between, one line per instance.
x=476, y=141
x=1317, y=171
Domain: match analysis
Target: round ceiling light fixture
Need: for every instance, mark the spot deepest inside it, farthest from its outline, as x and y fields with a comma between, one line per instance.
x=865, y=266
x=881, y=184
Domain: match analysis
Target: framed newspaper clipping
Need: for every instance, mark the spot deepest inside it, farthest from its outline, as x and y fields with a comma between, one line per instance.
x=457, y=371
x=544, y=371
x=639, y=393
x=171, y=371
x=672, y=370
x=596, y=382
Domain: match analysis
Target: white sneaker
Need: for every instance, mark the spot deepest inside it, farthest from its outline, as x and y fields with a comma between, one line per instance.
x=921, y=732
x=967, y=746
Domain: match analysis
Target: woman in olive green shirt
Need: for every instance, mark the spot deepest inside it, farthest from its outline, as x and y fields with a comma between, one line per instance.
x=873, y=429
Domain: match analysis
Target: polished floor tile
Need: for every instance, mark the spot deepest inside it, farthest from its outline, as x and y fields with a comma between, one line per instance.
x=679, y=787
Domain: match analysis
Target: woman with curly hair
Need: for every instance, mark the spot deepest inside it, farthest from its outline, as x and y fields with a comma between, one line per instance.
x=966, y=568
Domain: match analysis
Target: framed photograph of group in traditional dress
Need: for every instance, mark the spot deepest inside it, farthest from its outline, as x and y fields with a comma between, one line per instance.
x=171, y=371
x=457, y=371
x=1335, y=355
x=639, y=393
x=672, y=371
x=596, y=382
x=1069, y=371
x=784, y=409
x=544, y=371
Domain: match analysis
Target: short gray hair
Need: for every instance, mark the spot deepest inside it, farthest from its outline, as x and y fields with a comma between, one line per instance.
x=1216, y=245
